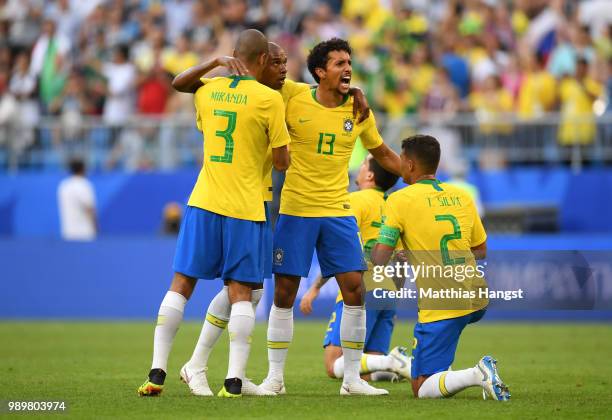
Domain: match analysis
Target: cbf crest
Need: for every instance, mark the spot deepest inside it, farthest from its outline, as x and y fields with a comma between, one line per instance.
x=348, y=125
x=278, y=256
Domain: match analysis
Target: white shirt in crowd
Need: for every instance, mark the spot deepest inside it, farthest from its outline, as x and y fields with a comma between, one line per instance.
x=119, y=105
x=77, y=200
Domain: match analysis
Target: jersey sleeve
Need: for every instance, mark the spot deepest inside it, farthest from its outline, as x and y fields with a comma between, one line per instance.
x=370, y=137
x=277, y=129
x=479, y=235
x=391, y=230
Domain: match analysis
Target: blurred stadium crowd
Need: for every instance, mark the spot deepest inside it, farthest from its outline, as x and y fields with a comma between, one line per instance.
x=93, y=77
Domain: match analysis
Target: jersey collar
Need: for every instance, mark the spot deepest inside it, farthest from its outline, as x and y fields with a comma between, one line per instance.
x=236, y=79
x=433, y=182
x=313, y=92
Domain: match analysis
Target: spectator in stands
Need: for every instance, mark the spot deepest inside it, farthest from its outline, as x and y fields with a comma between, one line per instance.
x=77, y=205
x=120, y=75
x=492, y=106
x=23, y=88
x=66, y=17
x=455, y=65
x=538, y=90
x=577, y=94
x=49, y=62
x=181, y=57
x=70, y=108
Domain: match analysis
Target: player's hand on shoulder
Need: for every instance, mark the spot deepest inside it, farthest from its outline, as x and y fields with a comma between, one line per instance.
x=233, y=64
x=361, y=107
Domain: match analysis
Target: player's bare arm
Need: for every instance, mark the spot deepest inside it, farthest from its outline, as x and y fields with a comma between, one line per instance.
x=381, y=254
x=189, y=80
x=387, y=158
x=281, y=158
x=311, y=295
x=480, y=251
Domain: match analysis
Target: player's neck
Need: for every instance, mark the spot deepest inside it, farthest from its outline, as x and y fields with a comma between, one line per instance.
x=425, y=177
x=329, y=98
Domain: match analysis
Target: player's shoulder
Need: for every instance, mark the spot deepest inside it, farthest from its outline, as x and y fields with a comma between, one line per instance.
x=400, y=195
x=264, y=92
x=295, y=88
x=456, y=190
x=369, y=195
x=304, y=96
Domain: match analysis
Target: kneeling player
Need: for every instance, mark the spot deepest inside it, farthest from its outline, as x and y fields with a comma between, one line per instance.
x=438, y=222
x=376, y=362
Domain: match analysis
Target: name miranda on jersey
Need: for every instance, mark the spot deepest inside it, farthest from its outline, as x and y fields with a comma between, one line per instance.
x=232, y=98
x=430, y=293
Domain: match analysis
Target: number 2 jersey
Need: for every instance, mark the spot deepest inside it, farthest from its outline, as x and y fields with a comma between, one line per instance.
x=439, y=224
x=322, y=140
x=240, y=119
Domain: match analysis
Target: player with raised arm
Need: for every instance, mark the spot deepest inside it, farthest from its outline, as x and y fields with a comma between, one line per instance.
x=377, y=363
x=315, y=211
x=438, y=224
x=193, y=373
x=222, y=233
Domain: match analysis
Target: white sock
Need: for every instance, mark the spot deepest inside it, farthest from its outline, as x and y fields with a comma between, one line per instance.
x=339, y=367
x=375, y=362
x=217, y=317
x=280, y=334
x=256, y=297
x=382, y=376
x=169, y=318
x=447, y=383
x=240, y=328
x=352, y=337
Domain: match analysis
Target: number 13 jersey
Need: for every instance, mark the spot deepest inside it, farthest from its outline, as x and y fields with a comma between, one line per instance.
x=322, y=140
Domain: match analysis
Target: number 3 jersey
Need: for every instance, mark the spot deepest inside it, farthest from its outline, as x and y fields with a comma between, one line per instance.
x=439, y=224
x=322, y=140
x=239, y=118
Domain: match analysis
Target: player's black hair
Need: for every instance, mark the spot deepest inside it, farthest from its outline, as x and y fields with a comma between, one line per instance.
x=318, y=56
x=76, y=166
x=382, y=178
x=425, y=149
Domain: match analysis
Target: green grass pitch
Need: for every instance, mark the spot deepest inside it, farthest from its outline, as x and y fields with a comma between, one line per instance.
x=553, y=370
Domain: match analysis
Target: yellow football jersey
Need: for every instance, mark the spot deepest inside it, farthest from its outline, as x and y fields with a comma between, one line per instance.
x=438, y=224
x=240, y=118
x=288, y=91
x=322, y=140
x=367, y=206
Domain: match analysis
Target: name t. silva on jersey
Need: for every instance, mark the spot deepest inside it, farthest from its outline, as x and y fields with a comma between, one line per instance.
x=430, y=293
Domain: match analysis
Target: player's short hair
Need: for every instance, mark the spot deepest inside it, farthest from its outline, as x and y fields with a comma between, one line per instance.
x=318, y=56
x=382, y=178
x=426, y=150
x=250, y=45
x=76, y=166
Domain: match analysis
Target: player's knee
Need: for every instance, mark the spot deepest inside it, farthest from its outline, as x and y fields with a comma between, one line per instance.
x=183, y=284
x=285, y=291
x=283, y=298
x=329, y=369
x=353, y=295
x=239, y=291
